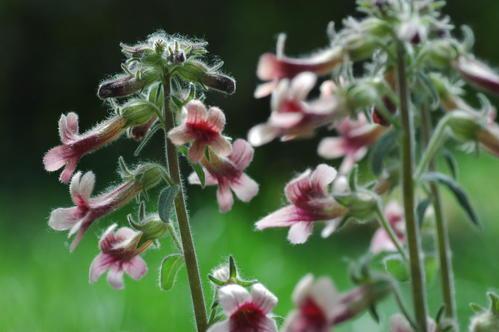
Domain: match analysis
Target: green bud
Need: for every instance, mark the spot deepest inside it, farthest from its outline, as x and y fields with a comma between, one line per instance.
x=361, y=204
x=137, y=112
x=151, y=226
x=198, y=72
x=464, y=126
x=148, y=174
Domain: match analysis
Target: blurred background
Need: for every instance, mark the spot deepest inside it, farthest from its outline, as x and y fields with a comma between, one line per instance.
x=53, y=55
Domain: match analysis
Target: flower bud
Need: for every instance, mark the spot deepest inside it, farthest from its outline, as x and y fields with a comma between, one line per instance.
x=478, y=74
x=125, y=85
x=137, y=112
x=152, y=227
x=360, y=204
x=198, y=72
x=148, y=175
x=487, y=320
x=440, y=53
x=464, y=126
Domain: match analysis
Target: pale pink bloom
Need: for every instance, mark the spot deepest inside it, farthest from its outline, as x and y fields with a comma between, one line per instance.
x=272, y=68
x=398, y=323
x=292, y=115
x=352, y=144
x=477, y=73
x=381, y=241
x=202, y=128
x=119, y=254
x=246, y=311
x=79, y=218
x=75, y=145
x=310, y=201
x=228, y=174
x=317, y=302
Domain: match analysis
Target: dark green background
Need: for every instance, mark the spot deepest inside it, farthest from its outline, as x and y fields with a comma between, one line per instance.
x=52, y=56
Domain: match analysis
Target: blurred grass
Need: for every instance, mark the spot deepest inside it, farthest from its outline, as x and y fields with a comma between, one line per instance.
x=44, y=288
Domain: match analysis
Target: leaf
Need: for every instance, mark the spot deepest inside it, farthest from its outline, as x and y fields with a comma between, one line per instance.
x=149, y=134
x=460, y=195
x=451, y=163
x=166, y=201
x=381, y=149
x=431, y=268
x=396, y=266
x=170, y=266
x=421, y=210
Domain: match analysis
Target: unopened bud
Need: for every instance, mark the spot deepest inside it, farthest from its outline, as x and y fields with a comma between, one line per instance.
x=125, y=85
x=197, y=72
x=464, y=126
x=478, y=74
x=148, y=174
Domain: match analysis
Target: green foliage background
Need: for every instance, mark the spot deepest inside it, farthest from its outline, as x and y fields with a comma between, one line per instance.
x=52, y=57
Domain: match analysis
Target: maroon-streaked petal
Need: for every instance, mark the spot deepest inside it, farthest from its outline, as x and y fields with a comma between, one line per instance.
x=232, y=297
x=136, y=267
x=242, y=154
x=79, y=234
x=263, y=298
x=221, y=146
x=332, y=148
x=81, y=187
x=216, y=118
x=322, y=177
x=115, y=277
x=54, y=159
x=244, y=187
x=224, y=198
x=478, y=74
x=100, y=264
x=300, y=232
x=180, y=135
x=267, y=325
x=196, y=151
x=196, y=112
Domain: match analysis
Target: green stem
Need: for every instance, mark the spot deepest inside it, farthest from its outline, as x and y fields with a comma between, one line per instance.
x=184, y=227
x=432, y=146
x=444, y=249
x=408, y=189
x=389, y=230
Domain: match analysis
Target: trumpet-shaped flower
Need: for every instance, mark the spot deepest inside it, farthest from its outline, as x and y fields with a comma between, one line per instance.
x=202, y=128
x=228, y=174
x=119, y=254
x=381, y=240
x=75, y=146
x=246, y=311
x=310, y=201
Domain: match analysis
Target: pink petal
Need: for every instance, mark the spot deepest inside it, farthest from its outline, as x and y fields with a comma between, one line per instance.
x=81, y=187
x=285, y=119
x=245, y=188
x=381, y=242
x=196, y=111
x=62, y=219
x=179, y=135
x=322, y=177
x=262, y=134
x=196, y=151
x=265, y=89
x=79, y=236
x=224, y=198
x=223, y=326
x=267, y=325
x=300, y=232
x=332, y=148
x=242, y=154
x=68, y=171
x=231, y=297
x=68, y=127
x=54, y=158
x=263, y=298
x=221, y=146
x=216, y=118
x=302, y=84
x=115, y=277
x=100, y=264
x=268, y=67
x=283, y=217
x=136, y=267
x=208, y=179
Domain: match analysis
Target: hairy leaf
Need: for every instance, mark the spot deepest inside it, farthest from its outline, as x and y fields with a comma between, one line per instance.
x=170, y=266
x=166, y=201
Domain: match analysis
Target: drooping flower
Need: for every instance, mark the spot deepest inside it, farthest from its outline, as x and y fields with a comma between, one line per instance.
x=202, y=128
x=272, y=68
x=398, y=323
x=292, y=115
x=246, y=311
x=75, y=146
x=381, y=241
x=352, y=144
x=228, y=174
x=310, y=201
x=87, y=209
x=120, y=253
x=477, y=73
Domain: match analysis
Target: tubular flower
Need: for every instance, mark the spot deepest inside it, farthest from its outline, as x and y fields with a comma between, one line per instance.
x=228, y=174
x=120, y=253
x=398, y=323
x=87, y=209
x=272, y=68
x=477, y=73
x=310, y=201
x=202, y=128
x=355, y=138
x=246, y=311
x=381, y=240
x=75, y=146
x=292, y=116
x=317, y=303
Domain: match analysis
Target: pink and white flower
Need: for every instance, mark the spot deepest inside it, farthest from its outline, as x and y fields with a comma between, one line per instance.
x=310, y=201
x=381, y=241
x=228, y=174
x=352, y=144
x=246, y=311
x=203, y=128
x=292, y=115
x=87, y=209
x=272, y=68
x=120, y=253
x=75, y=145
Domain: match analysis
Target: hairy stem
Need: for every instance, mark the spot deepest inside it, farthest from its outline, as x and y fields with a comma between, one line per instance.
x=444, y=249
x=184, y=227
x=408, y=189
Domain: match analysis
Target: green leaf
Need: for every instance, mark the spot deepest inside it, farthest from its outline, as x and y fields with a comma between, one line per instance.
x=460, y=195
x=166, y=201
x=431, y=268
x=150, y=133
x=381, y=149
x=421, y=210
x=170, y=266
x=395, y=265
x=451, y=163
x=476, y=308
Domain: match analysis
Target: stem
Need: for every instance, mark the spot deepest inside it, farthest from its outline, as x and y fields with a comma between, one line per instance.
x=412, y=229
x=389, y=230
x=184, y=227
x=433, y=144
x=444, y=249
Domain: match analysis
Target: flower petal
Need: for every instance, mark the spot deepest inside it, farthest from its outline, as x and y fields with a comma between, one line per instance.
x=179, y=135
x=300, y=232
x=100, y=264
x=223, y=326
x=381, y=242
x=302, y=289
x=263, y=298
x=136, y=267
x=322, y=177
x=302, y=84
x=265, y=89
x=231, y=297
x=285, y=119
x=196, y=111
x=267, y=325
x=330, y=228
x=325, y=295
x=54, y=159
x=62, y=219
x=242, y=154
x=115, y=277
x=221, y=146
x=68, y=171
x=196, y=151
x=245, y=187
x=216, y=118
x=209, y=180
x=224, y=198
x=332, y=148
x=68, y=127
x=262, y=134
x=284, y=217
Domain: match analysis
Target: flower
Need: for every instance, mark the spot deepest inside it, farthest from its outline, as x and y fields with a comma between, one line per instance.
x=399, y=323
x=246, y=311
x=317, y=302
x=381, y=240
x=310, y=201
x=292, y=116
x=79, y=218
x=202, y=128
x=272, y=68
x=355, y=137
x=120, y=253
x=75, y=146
x=477, y=73
x=228, y=173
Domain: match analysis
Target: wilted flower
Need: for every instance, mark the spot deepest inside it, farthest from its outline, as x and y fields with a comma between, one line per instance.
x=120, y=253
x=246, y=311
x=381, y=240
x=75, y=146
x=398, y=323
x=87, y=209
x=228, y=174
x=355, y=138
x=202, y=128
x=292, y=116
x=477, y=73
x=310, y=201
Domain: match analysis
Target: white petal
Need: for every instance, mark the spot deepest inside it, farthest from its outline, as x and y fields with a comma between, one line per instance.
x=325, y=295
x=217, y=118
x=136, y=267
x=302, y=84
x=245, y=188
x=302, y=289
x=263, y=298
x=115, y=277
x=262, y=134
x=331, y=148
x=62, y=219
x=330, y=228
x=300, y=232
x=267, y=325
x=231, y=297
